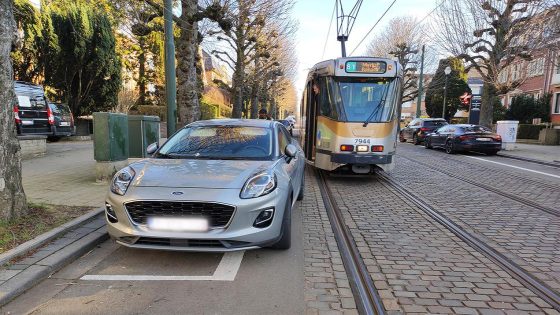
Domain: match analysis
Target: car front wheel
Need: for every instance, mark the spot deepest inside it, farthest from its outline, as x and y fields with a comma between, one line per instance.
x=285, y=241
x=449, y=147
x=427, y=143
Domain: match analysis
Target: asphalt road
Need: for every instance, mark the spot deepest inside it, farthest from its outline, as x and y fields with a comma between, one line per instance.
x=157, y=282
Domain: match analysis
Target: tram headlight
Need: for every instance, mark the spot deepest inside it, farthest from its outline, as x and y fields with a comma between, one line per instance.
x=260, y=184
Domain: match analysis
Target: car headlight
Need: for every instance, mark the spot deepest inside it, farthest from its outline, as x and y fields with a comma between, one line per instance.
x=122, y=180
x=258, y=185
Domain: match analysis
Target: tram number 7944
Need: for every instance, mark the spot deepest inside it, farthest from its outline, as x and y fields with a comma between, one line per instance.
x=362, y=141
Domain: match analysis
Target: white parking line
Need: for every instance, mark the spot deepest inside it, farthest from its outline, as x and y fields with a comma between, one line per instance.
x=226, y=271
x=513, y=166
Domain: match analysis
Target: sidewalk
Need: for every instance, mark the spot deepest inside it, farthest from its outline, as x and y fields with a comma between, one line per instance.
x=546, y=153
x=64, y=176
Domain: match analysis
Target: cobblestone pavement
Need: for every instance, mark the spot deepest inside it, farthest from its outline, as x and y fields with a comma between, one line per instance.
x=512, y=181
x=526, y=235
x=327, y=290
x=420, y=267
x=64, y=176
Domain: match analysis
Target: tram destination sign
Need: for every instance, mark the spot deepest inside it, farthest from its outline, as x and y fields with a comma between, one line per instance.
x=366, y=66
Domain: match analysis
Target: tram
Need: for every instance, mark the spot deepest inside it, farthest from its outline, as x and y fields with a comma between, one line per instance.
x=350, y=112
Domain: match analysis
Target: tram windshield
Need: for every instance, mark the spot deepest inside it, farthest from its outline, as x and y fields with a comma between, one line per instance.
x=365, y=99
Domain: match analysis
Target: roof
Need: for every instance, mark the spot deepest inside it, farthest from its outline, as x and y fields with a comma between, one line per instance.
x=235, y=122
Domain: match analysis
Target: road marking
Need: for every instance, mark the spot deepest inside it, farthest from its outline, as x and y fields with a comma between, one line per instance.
x=521, y=168
x=226, y=271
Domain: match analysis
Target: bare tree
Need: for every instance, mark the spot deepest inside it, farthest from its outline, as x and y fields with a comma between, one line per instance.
x=490, y=36
x=403, y=38
x=239, y=44
x=12, y=197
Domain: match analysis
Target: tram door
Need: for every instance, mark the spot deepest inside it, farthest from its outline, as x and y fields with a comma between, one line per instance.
x=310, y=122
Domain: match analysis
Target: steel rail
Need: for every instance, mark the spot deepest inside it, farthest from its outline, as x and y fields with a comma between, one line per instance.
x=537, y=286
x=492, y=189
x=366, y=296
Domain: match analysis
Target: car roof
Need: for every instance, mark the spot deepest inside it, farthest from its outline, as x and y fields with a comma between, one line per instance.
x=432, y=119
x=235, y=122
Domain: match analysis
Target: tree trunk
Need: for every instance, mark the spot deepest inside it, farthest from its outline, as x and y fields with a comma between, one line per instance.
x=487, y=105
x=142, y=71
x=188, y=103
x=12, y=197
x=238, y=81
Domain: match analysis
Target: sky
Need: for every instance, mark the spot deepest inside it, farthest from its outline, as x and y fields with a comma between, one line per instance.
x=313, y=17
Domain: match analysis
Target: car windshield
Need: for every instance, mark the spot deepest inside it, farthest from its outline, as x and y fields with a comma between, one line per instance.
x=219, y=143
x=434, y=123
x=60, y=108
x=476, y=128
x=365, y=97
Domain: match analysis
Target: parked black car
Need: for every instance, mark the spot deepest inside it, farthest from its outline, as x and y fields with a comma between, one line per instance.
x=63, y=121
x=455, y=138
x=32, y=115
x=418, y=128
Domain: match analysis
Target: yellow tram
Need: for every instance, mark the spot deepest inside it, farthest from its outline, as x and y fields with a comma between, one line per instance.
x=350, y=113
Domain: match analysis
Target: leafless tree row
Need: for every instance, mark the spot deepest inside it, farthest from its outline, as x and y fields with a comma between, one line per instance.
x=258, y=48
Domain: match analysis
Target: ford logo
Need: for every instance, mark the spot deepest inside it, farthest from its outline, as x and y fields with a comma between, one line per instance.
x=177, y=193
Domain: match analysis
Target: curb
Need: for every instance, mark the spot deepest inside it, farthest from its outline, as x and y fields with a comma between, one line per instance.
x=48, y=236
x=36, y=273
x=514, y=157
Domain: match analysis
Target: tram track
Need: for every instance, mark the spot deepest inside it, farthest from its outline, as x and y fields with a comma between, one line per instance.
x=522, y=200
x=531, y=282
x=367, y=299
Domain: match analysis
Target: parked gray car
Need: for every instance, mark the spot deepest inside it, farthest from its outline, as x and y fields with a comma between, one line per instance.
x=216, y=185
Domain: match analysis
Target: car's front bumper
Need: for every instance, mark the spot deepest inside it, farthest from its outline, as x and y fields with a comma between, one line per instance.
x=238, y=234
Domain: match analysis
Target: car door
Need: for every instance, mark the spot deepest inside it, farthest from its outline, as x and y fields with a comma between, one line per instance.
x=407, y=134
x=439, y=136
x=290, y=168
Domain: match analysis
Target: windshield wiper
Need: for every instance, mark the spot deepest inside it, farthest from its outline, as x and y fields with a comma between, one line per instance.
x=380, y=105
x=164, y=156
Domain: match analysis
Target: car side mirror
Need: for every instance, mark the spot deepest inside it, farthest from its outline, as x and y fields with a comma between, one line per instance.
x=290, y=151
x=152, y=148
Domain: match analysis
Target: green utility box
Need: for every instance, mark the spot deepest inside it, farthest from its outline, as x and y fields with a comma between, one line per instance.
x=110, y=134
x=142, y=131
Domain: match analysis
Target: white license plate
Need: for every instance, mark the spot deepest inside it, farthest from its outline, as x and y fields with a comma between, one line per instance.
x=64, y=123
x=178, y=224
x=27, y=122
x=483, y=139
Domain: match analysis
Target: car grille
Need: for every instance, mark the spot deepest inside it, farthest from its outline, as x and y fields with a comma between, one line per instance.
x=218, y=214
x=172, y=242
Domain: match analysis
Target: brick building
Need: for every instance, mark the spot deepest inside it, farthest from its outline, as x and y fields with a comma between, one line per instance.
x=541, y=74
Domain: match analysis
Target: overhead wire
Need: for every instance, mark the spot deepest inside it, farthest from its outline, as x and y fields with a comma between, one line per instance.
x=328, y=32
x=374, y=25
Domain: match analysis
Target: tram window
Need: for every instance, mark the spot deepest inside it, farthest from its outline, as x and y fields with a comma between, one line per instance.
x=362, y=98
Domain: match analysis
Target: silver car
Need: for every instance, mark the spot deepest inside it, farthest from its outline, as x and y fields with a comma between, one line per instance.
x=216, y=185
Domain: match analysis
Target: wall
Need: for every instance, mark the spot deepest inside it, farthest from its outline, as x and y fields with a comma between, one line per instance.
x=32, y=146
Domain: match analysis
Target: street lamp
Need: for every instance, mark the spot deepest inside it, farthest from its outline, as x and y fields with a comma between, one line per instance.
x=447, y=72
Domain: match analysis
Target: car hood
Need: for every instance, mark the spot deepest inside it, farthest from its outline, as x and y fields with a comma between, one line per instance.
x=187, y=173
